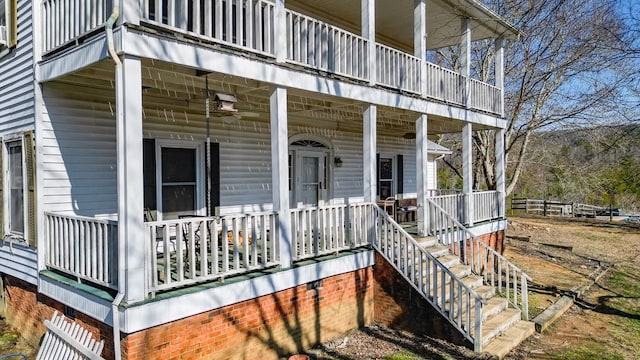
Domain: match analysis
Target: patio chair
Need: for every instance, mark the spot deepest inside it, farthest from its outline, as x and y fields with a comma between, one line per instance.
x=65, y=340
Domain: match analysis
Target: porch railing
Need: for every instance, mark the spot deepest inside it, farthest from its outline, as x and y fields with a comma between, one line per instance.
x=197, y=249
x=66, y=20
x=245, y=24
x=485, y=97
x=435, y=282
x=398, y=69
x=486, y=205
x=444, y=84
x=453, y=204
x=329, y=229
x=82, y=247
x=495, y=269
x=322, y=46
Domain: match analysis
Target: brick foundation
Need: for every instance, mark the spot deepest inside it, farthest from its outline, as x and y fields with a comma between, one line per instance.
x=26, y=311
x=270, y=326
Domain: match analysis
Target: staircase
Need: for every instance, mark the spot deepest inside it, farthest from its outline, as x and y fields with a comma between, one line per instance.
x=452, y=271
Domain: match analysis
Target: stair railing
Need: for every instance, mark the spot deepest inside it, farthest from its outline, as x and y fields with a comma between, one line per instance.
x=434, y=281
x=496, y=271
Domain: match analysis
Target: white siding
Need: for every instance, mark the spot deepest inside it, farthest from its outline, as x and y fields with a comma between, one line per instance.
x=78, y=139
x=19, y=261
x=17, y=79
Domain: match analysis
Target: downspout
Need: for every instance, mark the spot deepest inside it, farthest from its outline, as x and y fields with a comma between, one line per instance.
x=108, y=26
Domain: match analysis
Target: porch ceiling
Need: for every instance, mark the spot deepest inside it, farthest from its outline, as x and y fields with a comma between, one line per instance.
x=172, y=88
x=394, y=20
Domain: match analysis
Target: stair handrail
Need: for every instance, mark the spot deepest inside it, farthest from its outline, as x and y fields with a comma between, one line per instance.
x=450, y=232
x=429, y=266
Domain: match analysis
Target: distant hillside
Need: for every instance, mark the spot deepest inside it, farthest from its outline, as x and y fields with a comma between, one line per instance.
x=598, y=165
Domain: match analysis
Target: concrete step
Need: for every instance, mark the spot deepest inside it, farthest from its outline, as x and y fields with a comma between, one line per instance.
x=492, y=307
x=471, y=281
x=427, y=241
x=449, y=260
x=437, y=251
x=499, y=323
x=502, y=344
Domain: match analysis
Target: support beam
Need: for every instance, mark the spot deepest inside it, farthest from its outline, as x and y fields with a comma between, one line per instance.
x=280, y=31
x=422, y=174
x=280, y=172
x=465, y=58
x=499, y=70
x=368, y=11
x=420, y=40
x=369, y=165
x=130, y=184
x=467, y=171
x=500, y=175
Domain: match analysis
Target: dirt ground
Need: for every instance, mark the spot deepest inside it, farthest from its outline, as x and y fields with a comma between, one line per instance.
x=594, y=261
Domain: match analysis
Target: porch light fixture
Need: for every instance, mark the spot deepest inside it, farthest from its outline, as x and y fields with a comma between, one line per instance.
x=337, y=161
x=225, y=102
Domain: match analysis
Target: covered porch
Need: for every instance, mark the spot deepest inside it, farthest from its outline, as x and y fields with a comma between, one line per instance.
x=290, y=176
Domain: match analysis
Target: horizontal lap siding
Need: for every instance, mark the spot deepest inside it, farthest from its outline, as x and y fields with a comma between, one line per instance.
x=79, y=151
x=79, y=138
x=16, y=78
x=19, y=261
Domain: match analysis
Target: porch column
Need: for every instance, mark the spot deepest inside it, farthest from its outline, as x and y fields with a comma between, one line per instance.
x=280, y=172
x=422, y=175
x=370, y=178
x=499, y=72
x=420, y=41
x=280, y=31
x=368, y=10
x=467, y=171
x=500, y=176
x=465, y=59
x=131, y=238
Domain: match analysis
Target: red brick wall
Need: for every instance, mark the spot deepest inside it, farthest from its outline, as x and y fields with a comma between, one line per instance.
x=26, y=311
x=272, y=326
x=268, y=327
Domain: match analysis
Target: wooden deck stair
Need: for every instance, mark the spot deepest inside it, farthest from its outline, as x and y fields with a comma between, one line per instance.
x=502, y=328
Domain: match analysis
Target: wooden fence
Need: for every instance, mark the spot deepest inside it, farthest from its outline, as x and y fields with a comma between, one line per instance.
x=553, y=208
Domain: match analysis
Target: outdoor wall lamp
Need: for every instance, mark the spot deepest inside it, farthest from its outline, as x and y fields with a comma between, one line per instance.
x=337, y=161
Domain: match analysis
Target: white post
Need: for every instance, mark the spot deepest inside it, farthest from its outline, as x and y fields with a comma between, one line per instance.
x=280, y=31
x=500, y=176
x=280, y=172
x=465, y=58
x=131, y=11
x=368, y=10
x=130, y=184
x=467, y=171
x=369, y=165
x=420, y=41
x=422, y=174
x=499, y=71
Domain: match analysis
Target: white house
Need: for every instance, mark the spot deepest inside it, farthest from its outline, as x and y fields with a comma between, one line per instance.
x=214, y=178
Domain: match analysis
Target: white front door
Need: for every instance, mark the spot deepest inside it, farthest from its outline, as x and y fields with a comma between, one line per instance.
x=311, y=176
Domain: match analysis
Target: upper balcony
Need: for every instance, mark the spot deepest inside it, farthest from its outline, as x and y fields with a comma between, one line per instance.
x=321, y=36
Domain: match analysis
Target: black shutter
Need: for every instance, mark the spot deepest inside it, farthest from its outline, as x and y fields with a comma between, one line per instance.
x=214, y=153
x=149, y=173
x=400, y=180
x=378, y=174
x=30, y=163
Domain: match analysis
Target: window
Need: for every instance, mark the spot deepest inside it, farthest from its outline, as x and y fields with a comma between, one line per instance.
x=8, y=24
x=16, y=188
x=178, y=181
x=385, y=182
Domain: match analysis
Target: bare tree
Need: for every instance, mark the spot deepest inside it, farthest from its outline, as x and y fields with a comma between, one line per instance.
x=568, y=69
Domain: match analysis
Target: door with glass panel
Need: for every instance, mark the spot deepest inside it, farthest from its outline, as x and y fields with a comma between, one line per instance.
x=311, y=189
